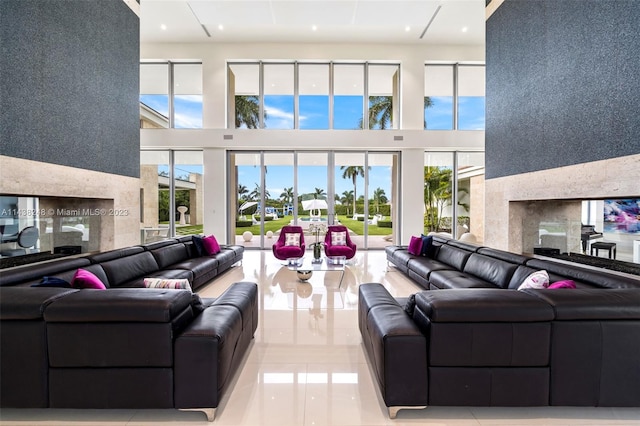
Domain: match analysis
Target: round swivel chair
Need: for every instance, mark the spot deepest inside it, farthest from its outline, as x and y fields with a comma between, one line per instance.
x=27, y=238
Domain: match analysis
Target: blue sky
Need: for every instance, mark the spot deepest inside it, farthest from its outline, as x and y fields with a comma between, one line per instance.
x=314, y=112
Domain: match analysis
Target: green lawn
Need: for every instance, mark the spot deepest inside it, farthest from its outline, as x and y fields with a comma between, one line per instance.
x=274, y=225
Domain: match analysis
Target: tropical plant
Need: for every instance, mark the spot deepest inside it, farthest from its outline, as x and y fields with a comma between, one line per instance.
x=242, y=191
x=319, y=193
x=248, y=111
x=437, y=194
x=381, y=112
x=428, y=103
x=379, y=197
x=352, y=172
x=346, y=199
x=287, y=195
x=255, y=194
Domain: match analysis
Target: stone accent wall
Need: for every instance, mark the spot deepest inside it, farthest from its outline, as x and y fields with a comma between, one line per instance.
x=507, y=199
x=120, y=195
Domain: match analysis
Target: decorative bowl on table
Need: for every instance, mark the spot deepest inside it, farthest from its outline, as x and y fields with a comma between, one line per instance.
x=304, y=275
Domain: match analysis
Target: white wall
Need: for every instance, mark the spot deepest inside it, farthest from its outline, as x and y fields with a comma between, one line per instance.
x=214, y=59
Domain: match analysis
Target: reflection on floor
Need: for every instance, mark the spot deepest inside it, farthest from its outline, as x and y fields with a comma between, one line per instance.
x=306, y=365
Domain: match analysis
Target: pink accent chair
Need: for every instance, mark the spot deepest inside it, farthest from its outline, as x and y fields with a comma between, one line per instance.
x=348, y=250
x=283, y=252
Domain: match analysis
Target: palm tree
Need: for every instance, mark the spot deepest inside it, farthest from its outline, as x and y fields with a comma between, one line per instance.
x=379, y=197
x=319, y=193
x=248, y=111
x=428, y=103
x=352, y=172
x=347, y=198
x=380, y=112
x=287, y=195
x=242, y=191
x=437, y=194
x=255, y=194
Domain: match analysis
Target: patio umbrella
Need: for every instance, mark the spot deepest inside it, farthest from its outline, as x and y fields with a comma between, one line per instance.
x=245, y=206
x=313, y=205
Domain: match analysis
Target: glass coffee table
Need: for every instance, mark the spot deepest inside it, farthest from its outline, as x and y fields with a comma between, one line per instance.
x=306, y=266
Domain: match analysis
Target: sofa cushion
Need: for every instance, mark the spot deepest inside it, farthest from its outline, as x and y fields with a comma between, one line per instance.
x=168, y=283
x=124, y=269
x=562, y=284
x=171, y=274
x=427, y=248
x=34, y=273
x=210, y=245
x=415, y=246
x=483, y=305
x=453, y=256
x=24, y=303
x=198, y=245
x=537, y=279
x=447, y=279
x=292, y=239
x=115, y=254
x=168, y=255
x=592, y=303
x=199, y=265
x=52, y=282
x=85, y=279
x=497, y=272
x=602, y=279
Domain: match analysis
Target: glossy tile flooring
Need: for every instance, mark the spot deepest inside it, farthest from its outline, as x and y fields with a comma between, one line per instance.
x=306, y=365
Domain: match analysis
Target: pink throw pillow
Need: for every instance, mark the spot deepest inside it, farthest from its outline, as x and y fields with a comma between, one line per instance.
x=563, y=284
x=85, y=279
x=415, y=246
x=211, y=245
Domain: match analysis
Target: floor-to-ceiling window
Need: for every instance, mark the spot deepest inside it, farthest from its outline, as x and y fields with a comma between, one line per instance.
x=171, y=194
x=454, y=194
x=312, y=189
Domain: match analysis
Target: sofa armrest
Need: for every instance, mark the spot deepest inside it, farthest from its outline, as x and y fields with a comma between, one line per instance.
x=204, y=353
x=396, y=348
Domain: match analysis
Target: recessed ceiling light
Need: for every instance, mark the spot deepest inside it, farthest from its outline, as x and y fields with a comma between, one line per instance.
x=221, y=27
x=163, y=27
x=407, y=28
x=465, y=29
x=314, y=28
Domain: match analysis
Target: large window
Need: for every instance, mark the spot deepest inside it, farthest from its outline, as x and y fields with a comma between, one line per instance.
x=454, y=97
x=170, y=95
x=454, y=194
x=171, y=194
x=317, y=96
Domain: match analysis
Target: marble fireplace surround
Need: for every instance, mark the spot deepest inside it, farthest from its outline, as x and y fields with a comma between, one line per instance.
x=113, y=199
x=516, y=205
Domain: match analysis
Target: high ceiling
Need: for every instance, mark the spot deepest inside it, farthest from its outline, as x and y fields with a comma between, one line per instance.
x=428, y=22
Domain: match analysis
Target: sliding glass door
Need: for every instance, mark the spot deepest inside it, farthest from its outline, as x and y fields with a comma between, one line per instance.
x=312, y=189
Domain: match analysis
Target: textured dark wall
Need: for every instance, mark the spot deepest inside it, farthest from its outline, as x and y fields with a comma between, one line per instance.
x=69, y=86
x=563, y=84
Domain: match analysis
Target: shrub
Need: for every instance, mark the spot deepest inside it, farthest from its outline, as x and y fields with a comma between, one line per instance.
x=385, y=224
x=266, y=218
x=243, y=223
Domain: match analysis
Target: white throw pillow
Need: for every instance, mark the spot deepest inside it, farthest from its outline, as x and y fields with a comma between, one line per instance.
x=537, y=279
x=292, y=239
x=176, y=284
x=339, y=238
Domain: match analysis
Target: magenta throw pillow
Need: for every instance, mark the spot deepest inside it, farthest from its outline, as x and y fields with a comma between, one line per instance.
x=563, y=284
x=415, y=246
x=211, y=245
x=85, y=279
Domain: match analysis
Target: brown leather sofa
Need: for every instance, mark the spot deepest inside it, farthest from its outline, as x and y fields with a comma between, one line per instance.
x=123, y=347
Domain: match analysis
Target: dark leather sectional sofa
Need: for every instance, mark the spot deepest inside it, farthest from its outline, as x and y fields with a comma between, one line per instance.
x=474, y=340
x=124, y=347
x=129, y=266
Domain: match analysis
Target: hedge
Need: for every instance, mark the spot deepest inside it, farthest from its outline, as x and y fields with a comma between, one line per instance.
x=385, y=224
x=243, y=223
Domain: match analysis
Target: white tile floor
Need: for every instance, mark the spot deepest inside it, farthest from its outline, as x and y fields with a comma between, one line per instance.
x=306, y=365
